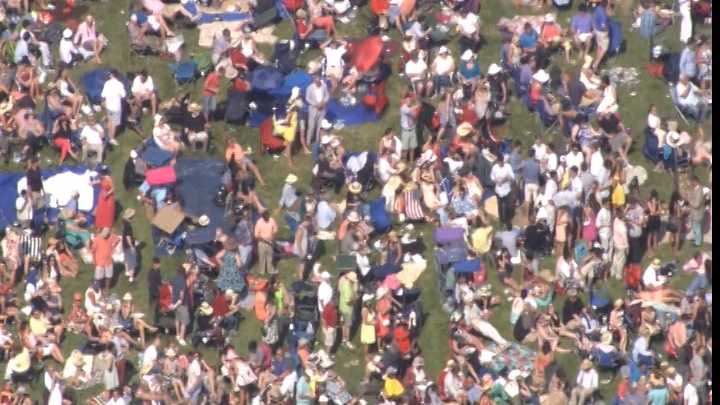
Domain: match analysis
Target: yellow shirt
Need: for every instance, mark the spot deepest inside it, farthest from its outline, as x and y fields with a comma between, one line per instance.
x=618, y=196
x=481, y=239
x=38, y=327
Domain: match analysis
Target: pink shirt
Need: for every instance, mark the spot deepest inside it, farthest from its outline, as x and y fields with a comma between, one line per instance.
x=85, y=33
x=620, y=238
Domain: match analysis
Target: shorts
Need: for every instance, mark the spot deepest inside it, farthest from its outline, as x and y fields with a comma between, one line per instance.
x=102, y=272
x=131, y=259
x=198, y=136
x=336, y=72
x=182, y=315
x=209, y=104
x=114, y=117
x=408, y=139
x=618, y=141
x=393, y=12
x=602, y=39
x=347, y=319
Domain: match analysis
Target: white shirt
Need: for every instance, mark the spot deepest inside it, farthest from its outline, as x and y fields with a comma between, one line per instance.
x=443, y=65
x=602, y=221
x=113, y=93
x=691, y=98
x=67, y=49
x=415, y=68
x=551, y=189
x=150, y=355
x=325, y=293
x=552, y=161
x=574, y=159
x=384, y=169
x=652, y=279
x=503, y=178
x=334, y=56
x=468, y=24
x=587, y=379
x=23, y=208
x=576, y=186
x=597, y=164
x=140, y=87
x=690, y=395
x=92, y=134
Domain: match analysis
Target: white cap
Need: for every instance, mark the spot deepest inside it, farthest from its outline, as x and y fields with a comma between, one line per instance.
x=494, y=69
x=541, y=76
x=325, y=275
x=466, y=56
x=443, y=49
x=67, y=33
x=133, y=154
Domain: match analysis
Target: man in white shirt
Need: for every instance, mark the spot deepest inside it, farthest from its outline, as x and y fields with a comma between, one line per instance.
x=575, y=157
x=416, y=71
x=92, y=136
x=586, y=383
x=651, y=279
x=550, y=189
x=503, y=176
x=690, y=395
x=317, y=96
x=69, y=54
x=143, y=90
x=469, y=26
x=325, y=291
x=334, y=63
x=597, y=162
x=690, y=98
x=24, y=209
x=113, y=93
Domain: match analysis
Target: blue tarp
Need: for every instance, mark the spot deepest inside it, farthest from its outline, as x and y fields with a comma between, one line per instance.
x=93, y=82
x=468, y=266
x=206, y=18
x=8, y=190
x=266, y=78
x=154, y=156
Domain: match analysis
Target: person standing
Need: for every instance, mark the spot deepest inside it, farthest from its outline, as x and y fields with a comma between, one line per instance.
x=696, y=203
x=179, y=305
x=129, y=245
x=105, y=209
x=330, y=322
x=211, y=88
x=265, y=232
x=23, y=209
x=317, y=96
x=113, y=93
x=503, y=177
x=409, y=110
x=347, y=291
x=154, y=279
x=621, y=245
x=102, y=247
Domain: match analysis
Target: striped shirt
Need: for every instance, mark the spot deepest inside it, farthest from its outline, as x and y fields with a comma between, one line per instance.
x=31, y=246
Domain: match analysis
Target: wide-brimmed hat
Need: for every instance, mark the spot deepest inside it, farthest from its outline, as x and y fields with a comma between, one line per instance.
x=205, y=309
x=194, y=108
x=443, y=50
x=549, y=17
x=301, y=13
x=464, y=129
x=355, y=187
x=489, y=156
x=466, y=56
x=128, y=214
x=204, y=220
x=67, y=33
x=546, y=275
x=606, y=338
x=291, y=179
x=673, y=139
x=541, y=76
x=494, y=69
x=127, y=296
x=656, y=263
x=170, y=352
x=325, y=124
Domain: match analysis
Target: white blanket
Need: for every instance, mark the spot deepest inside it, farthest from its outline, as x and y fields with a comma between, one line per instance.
x=61, y=187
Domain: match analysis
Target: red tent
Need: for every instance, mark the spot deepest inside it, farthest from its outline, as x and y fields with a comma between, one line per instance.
x=367, y=53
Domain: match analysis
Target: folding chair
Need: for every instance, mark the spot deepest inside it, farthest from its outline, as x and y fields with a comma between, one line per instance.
x=675, y=103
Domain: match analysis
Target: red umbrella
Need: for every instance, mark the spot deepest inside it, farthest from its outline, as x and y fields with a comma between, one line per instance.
x=367, y=53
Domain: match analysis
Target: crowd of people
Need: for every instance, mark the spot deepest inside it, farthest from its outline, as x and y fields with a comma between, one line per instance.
x=537, y=230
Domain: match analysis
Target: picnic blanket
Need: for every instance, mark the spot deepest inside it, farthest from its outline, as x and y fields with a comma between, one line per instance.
x=410, y=272
x=208, y=31
x=513, y=357
x=516, y=24
x=60, y=183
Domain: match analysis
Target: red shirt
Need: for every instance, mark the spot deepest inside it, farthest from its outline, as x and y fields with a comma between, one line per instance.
x=330, y=316
x=220, y=306
x=102, y=250
x=211, y=86
x=402, y=339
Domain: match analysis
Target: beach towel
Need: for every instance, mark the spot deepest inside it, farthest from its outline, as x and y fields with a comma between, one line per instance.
x=161, y=176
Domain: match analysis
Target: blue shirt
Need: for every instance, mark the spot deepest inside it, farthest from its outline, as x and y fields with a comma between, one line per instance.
x=688, y=66
x=302, y=392
x=658, y=396
x=471, y=72
x=600, y=19
x=581, y=23
x=528, y=39
x=531, y=171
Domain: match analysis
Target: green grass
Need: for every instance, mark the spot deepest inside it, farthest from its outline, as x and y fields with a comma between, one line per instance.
x=111, y=18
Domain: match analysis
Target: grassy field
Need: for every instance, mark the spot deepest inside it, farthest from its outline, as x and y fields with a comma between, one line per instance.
x=112, y=17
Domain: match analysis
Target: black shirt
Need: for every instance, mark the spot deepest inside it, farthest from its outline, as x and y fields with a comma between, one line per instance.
x=154, y=278
x=127, y=233
x=195, y=124
x=34, y=180
x=571, y=308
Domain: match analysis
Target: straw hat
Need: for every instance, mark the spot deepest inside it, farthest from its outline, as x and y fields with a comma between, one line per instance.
x=205, y=309
x=464, y=129
x=494, y=69
x=547, y=276
x=541, y=76
x=170, y=352
x=673, y=139
x=127, y=296
x=355, y=187
x=606, y=338
x=549, y=17
x=656, y=263
x=291, y=179
x=128, y=214
x=586, y=364
x=301, y=13
x=204, y=220
x=587, y=64
x=488, y=155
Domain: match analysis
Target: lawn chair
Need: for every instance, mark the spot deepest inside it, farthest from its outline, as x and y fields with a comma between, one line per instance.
x=676, y=104
x=184, y=72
